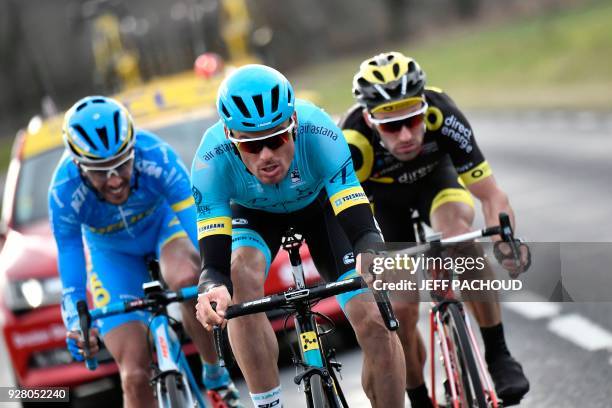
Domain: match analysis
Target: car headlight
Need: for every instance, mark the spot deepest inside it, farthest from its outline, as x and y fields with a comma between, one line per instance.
x=32, y=293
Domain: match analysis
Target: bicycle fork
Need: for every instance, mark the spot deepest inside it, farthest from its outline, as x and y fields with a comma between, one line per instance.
x=170, y=358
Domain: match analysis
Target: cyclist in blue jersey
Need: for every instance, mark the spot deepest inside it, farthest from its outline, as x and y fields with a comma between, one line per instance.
x=120, y=195
x=271, y=162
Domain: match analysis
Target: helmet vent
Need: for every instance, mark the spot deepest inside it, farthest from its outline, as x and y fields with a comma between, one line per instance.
x=240, y=104
x=81, y=106
x=116, y=123
x=224, y=110
x=378, y=75
x=258, y=100
x=289, y=95
x=277, y=117
x=98, y=101
x=83, y=134
x=396, y=69
x=248, y=124
x=275, y=92
x=103, y=136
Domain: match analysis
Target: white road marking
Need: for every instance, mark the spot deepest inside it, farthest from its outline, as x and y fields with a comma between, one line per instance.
x=581, y=332
x=534, y=310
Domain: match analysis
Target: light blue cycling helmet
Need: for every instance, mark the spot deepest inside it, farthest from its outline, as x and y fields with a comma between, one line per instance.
x=97, y=129
x=254, y=98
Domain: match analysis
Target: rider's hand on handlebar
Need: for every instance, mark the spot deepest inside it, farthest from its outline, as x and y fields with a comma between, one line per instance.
x=504, y=256
x=363, y=266
x=205, y=313
x=75, y=343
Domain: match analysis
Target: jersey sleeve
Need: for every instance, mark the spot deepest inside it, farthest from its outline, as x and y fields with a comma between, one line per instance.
x=175, y=185
x=330, y=154
x=71, y=257
x=456, y=137
x=212, y=192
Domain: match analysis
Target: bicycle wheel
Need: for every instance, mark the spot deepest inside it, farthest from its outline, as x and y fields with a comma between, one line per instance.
x=319, y=396
x=174, y=394
x=469, y=380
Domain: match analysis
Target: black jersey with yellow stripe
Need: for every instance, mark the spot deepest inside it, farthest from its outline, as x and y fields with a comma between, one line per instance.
x=448, y=135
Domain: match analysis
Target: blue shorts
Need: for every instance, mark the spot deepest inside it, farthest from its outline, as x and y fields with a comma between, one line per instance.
x=118, y=268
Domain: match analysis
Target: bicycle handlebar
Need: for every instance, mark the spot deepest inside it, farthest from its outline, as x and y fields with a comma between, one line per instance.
x=86, y=316
x=291, y=297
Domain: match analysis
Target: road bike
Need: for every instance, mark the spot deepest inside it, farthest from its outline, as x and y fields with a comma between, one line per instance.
x=317, y=365
x=173, y=381
x=467, y=382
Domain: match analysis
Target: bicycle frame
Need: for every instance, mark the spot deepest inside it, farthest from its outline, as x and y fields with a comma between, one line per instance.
x=439, y=329
x=306, y=328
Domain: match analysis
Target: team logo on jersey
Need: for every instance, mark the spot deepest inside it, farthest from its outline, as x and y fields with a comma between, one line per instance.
x=457, y=131
x=343, y=173
x=295, y=176
x=348, y=258
x=239, y=221
x=197, y=196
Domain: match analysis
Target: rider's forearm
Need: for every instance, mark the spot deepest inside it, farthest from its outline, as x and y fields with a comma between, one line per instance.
x=215, y=252
x=360, y=228
x=493, y=205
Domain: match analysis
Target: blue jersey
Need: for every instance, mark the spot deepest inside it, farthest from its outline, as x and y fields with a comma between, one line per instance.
x=322, y=160
x=76, y=212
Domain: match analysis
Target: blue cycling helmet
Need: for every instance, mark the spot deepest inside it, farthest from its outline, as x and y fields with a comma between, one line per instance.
x=254, y=98
x=97, y=129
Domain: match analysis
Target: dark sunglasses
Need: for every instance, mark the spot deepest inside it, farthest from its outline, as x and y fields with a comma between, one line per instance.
x=394, y=125
x=272, y=141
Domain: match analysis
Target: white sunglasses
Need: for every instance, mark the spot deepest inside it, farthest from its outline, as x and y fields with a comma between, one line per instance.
x=108, y=171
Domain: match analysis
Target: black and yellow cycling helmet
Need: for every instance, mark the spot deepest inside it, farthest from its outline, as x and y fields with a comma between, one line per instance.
x=386, y=80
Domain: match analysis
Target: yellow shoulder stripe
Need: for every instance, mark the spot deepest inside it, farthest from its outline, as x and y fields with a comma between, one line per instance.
x=181, y=205
x=357, y=139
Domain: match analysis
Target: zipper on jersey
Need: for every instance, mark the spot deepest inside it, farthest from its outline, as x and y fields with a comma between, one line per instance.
x=280, y=200
x=127, y=227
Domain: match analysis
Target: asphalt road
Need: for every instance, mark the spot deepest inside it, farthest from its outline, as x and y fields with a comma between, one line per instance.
x=555, y=167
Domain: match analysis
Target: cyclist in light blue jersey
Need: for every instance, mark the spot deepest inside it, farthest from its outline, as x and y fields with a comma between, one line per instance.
x=271, y=162
x=120, y=196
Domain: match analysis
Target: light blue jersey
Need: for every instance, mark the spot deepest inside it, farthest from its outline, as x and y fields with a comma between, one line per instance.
x=322, y=160
x=159, y=209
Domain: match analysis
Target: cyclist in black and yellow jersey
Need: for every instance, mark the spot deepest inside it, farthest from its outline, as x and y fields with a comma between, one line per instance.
x=413, y=148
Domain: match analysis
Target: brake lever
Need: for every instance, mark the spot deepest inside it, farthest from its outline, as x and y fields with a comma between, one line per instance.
x=508, y=236
x=218, y=338
x=85, y=323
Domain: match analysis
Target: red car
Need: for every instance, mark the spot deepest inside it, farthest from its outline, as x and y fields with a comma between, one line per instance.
x=31, y=326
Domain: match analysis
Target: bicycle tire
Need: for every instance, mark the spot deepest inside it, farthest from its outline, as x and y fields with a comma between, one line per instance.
x=469, y=376
x=174, y=397
x=319, y=397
